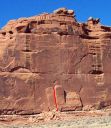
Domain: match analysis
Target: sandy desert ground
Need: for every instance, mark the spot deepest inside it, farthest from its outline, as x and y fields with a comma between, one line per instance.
x=92, y=119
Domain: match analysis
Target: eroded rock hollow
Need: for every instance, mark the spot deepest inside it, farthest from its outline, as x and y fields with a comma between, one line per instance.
x=51, y=61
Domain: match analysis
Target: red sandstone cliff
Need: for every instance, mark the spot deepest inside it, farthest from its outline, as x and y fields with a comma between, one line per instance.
x=53, y=53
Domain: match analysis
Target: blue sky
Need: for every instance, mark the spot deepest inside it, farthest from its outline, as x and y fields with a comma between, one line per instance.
x=13, y=9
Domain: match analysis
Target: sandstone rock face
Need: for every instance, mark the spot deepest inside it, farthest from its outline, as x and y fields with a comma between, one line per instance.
x=54, y=54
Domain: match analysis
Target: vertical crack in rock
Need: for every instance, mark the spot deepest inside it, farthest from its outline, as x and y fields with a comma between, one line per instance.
x=28, y=59
x=97, y=54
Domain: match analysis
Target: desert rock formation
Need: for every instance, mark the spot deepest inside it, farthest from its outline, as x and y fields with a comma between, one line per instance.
x=51, y=61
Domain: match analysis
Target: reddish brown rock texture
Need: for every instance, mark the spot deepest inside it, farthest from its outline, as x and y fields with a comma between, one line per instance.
x=50, y=51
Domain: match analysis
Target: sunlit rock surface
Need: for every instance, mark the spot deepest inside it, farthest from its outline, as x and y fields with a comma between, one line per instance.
x=51, y=61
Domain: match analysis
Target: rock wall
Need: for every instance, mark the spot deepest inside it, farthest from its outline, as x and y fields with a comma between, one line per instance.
x=51, y=61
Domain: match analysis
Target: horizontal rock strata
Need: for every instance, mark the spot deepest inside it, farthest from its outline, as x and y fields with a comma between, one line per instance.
x=51, y=61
